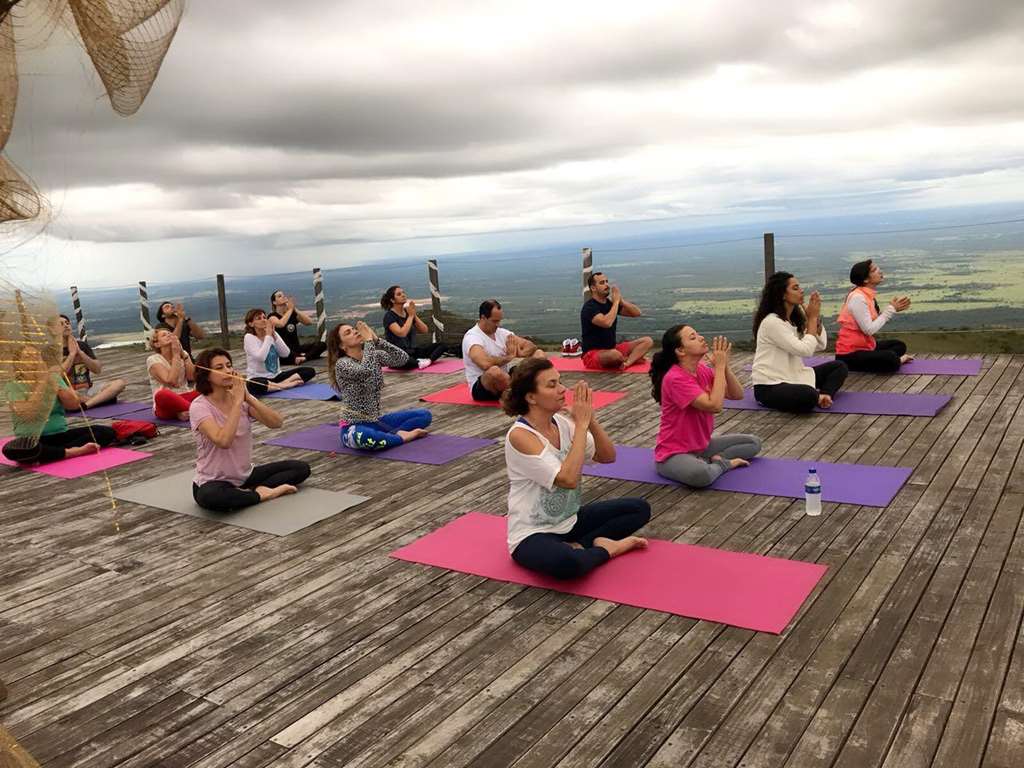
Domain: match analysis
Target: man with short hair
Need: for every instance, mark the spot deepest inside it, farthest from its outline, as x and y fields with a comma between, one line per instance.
x=599, y=318
x=488, y=351
x=79, y=363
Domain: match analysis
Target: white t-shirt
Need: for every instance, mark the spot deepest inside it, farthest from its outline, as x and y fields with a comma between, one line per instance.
x=492, y=348
x=263, y=358
x=181, y=385
x=535, y=503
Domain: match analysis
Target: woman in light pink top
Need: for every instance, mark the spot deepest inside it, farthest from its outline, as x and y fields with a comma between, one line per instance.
x=691, y=393
x=221, y=416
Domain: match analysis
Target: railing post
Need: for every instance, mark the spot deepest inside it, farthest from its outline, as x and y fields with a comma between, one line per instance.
x=769, y=255
x=435, y=301
x=79, y=318
x=222, y=307
x=588, y=270
x=147, y=328
x=321, y=313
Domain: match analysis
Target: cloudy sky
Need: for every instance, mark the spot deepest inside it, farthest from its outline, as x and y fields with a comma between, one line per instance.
x=280, y=135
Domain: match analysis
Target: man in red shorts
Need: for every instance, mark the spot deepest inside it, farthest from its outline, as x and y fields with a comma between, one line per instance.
x=598, y=318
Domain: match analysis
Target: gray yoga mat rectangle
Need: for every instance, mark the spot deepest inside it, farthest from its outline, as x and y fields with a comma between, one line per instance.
x=280, y=517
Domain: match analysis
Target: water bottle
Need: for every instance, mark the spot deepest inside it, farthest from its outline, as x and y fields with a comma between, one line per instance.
x=812, y=493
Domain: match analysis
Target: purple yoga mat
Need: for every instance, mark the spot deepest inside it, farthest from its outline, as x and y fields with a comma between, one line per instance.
x=310, y=391
x=867, y=403
x=110, y=411
x=434, y=449
x=860, y=484
x=922, y=366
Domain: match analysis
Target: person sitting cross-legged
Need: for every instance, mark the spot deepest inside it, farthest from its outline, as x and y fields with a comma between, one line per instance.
x=690, y=393
x=355, y=361
x=489, y=351
x=549, y=530
x=221, y=418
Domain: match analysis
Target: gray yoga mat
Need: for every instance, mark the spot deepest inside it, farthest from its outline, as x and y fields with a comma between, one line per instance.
x=280, y=516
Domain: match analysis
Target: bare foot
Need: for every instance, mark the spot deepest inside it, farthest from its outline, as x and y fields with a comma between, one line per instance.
x=82, y=450
x=266, y=494
x=824, y=401
x=906, y=359
x=300, y=360
x=183, y=416
x=574, y=544
x=616, y=548
x=716, y=457
x=410, y=435
x=736, y=463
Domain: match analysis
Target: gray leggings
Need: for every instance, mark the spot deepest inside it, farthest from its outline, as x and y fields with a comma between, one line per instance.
x=698, y=471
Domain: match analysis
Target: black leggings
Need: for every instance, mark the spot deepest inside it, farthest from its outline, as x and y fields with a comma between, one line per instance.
x=28, y=450
x=801, y=398
x=257, y=385
x=222, y=496
x=430, y=351
x=884, y=358
x=312, y=351
x=550, y=553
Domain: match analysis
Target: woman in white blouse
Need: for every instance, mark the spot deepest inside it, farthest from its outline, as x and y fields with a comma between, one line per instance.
x=264, y=350
x=545, y=449
x=786, y=332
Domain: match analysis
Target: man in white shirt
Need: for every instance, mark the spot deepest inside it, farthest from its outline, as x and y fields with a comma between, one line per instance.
x=488, y=351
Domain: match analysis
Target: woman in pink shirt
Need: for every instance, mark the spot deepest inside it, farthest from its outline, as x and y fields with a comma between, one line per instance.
x=221, y=418
x=691, y=393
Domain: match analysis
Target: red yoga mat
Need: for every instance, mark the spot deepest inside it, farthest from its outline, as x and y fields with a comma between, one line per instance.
x=575, y=365
x=459, y=395
x=744, y=590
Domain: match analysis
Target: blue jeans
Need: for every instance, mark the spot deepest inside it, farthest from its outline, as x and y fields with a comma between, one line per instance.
x=381, y=435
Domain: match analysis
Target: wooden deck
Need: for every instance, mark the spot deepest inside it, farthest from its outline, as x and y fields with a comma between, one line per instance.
x=178, y=642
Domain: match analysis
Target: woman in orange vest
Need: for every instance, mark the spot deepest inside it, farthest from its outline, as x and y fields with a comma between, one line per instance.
x=860, y=319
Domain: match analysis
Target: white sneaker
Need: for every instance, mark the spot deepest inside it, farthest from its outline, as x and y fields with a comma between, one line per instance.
x=423, y=362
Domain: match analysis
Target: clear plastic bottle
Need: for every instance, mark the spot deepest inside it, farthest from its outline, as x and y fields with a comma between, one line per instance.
x=812, y=493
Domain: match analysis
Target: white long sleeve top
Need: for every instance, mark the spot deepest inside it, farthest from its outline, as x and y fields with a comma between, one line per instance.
x=857, y=305
x=780, y=352
x=259, y=358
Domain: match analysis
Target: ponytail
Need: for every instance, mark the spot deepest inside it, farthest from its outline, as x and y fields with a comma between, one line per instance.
x=664, y=359
x=388, y=298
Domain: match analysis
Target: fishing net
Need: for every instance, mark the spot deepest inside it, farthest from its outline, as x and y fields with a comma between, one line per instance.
x=30, y=374
x=126, y=40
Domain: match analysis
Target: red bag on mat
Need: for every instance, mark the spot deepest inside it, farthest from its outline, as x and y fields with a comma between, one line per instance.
x=127, y=429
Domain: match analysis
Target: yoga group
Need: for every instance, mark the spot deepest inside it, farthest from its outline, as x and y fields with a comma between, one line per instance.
x=551, y=439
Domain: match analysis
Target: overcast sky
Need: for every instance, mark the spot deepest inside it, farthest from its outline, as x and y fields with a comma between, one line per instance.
x=281, y=135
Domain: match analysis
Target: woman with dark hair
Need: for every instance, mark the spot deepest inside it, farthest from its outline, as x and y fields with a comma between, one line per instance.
x=264, y=350
x=355, y=358
x=221, y=419
x=170, y=370
x=285, y=318
x=401, y=324
x=173, y=317
x=39, y=394
x=691, y=393
x=548, y=529
x=860, y=319
x=786, y=331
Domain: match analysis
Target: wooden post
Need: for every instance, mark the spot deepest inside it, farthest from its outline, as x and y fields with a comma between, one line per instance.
x=222, y=306
x=435, y=301
x=321, y=313
x=588, y=270
x=147, y=328
x=769, y=255
x=79, y=319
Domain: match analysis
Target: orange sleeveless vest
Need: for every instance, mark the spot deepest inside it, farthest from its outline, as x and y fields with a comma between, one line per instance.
x=851, y=338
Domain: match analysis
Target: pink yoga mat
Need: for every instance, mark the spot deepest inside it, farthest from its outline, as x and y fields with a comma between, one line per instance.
x=79, y=466
x=459, y=395
x=744, y=590
x=444, y=365
x=575, y=365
